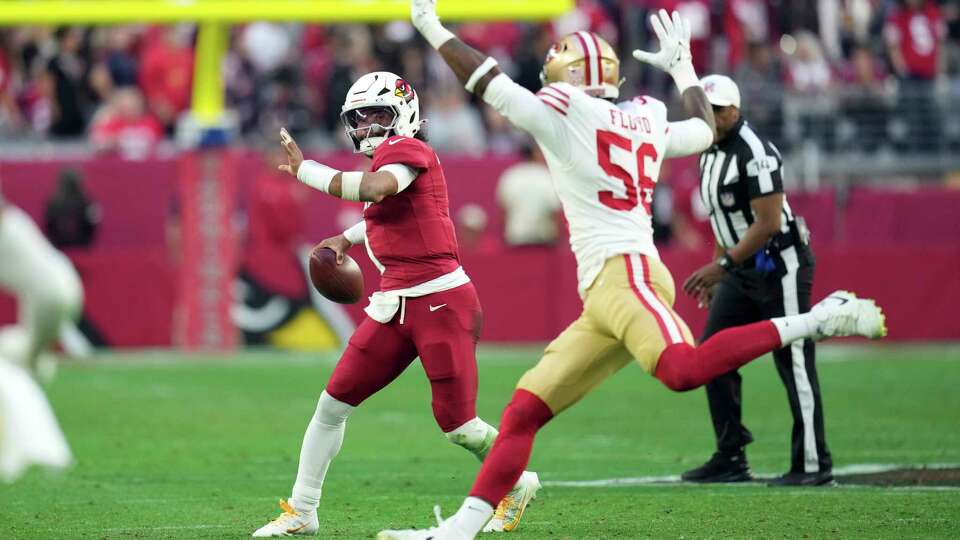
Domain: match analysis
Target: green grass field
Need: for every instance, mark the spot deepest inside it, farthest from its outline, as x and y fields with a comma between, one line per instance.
x=176, y=447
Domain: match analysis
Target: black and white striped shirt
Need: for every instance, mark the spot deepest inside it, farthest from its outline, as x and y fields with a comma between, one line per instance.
x=734, y=171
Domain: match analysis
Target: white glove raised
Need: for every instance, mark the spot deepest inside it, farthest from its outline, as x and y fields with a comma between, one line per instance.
x=423, y=15
x=674, y=55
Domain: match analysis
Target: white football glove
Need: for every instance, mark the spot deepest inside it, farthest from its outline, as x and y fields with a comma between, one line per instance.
x=674, y=55
x=423, y=15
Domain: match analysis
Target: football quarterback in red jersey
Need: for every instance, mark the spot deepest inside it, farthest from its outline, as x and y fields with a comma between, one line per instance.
x=427, y=307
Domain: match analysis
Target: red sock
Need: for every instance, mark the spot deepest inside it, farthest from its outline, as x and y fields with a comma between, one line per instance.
x=522, y=418
x=682, y=367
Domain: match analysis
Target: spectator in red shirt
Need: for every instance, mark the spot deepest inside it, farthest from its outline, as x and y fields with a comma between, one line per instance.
x=124, y=127
x=914, y=33
x=166, y=73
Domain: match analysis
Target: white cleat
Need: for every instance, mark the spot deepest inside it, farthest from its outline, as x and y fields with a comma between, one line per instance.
x=509, y=512
x=290, y=523
x=843, y=314
x=443, y=531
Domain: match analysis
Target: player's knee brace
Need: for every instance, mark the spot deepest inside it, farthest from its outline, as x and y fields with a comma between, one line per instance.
x=476, y=436
x=331, y=411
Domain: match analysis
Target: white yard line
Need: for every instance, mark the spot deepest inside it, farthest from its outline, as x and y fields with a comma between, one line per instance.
x=163, y=528
x=828, y=353
x=862, y=352
x=60, y=530
x=674, y=480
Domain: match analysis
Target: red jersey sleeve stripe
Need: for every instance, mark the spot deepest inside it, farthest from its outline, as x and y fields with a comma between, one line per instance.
x=547, y=92
x=556, y=89
x=554, y=107
x=556, y=102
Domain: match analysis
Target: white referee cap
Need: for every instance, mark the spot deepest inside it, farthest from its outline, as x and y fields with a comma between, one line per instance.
x=721, y=90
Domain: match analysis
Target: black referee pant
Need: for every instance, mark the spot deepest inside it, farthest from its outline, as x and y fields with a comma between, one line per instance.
x=745, y=296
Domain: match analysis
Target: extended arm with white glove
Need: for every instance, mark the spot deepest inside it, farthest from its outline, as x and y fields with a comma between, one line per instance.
x=474, y=69
x=481, y=75
x=675, y=58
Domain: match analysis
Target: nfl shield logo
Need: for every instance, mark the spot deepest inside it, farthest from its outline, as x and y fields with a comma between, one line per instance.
x=727, y=199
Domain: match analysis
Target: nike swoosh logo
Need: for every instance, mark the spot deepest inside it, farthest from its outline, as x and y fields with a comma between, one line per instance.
x=841, y=300
x=434, y=308
x=296, y=529
x=395, y=141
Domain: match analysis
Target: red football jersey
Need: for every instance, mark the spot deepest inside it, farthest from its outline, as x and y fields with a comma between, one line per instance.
x=411, y=234
x=917, y=33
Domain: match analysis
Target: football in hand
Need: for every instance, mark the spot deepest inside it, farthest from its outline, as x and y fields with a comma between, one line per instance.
x=342, y=283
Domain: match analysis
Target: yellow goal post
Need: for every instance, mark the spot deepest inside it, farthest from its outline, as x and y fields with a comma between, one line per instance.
x=215, y=16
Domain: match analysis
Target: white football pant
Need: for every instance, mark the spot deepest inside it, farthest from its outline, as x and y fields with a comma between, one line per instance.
x=29, y=433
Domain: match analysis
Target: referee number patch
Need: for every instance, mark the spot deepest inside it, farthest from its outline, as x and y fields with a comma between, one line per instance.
x=761, y=165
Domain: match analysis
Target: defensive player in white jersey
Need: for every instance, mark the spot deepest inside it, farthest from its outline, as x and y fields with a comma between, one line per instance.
x=604, y=160
x=49, y=296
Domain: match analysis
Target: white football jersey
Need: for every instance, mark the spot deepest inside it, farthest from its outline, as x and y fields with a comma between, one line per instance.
x=604, y=158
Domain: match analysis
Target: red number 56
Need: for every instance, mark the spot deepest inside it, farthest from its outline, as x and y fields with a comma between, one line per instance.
x=644, y=185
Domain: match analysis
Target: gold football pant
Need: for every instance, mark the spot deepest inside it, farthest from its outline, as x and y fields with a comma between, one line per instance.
x=627, y=314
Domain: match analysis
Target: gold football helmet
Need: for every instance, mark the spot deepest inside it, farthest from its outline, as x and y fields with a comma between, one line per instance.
x=586, y=60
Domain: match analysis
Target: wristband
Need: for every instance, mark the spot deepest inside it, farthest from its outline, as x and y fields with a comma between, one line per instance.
x=435, y=34
x=478, y=73
x=356, y=234
x=316, y=175
x=350, y=185
x=684, y=76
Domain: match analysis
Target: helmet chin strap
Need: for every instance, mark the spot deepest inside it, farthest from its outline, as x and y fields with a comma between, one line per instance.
x=368, y=145
x=371, y=142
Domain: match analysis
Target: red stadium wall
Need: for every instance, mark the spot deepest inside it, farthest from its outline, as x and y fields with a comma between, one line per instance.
x=901, y=247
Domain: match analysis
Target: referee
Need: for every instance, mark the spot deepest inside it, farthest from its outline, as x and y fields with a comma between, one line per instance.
x=763, y=268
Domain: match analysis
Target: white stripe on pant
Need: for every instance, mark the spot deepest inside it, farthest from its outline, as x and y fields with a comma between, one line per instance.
x=791, y=306
x=660, y=311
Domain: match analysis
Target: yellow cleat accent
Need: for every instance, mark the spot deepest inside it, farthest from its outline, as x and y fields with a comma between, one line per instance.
x=510, y=510
x=289, y=523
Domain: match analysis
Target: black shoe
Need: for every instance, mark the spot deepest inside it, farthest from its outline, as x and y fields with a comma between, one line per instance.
x=722, y=467
x=794, y=479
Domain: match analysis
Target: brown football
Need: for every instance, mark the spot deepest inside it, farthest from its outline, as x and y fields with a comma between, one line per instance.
x=342, y=283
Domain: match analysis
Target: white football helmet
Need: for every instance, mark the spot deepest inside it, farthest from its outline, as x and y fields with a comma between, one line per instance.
x=388, y=92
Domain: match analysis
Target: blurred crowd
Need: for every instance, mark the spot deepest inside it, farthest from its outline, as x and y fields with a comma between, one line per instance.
x=849, y=74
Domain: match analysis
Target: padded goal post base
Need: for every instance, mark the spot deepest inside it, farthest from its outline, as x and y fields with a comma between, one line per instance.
x=208, y=251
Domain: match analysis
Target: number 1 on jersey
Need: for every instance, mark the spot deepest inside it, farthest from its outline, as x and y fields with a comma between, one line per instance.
x=606, y=139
